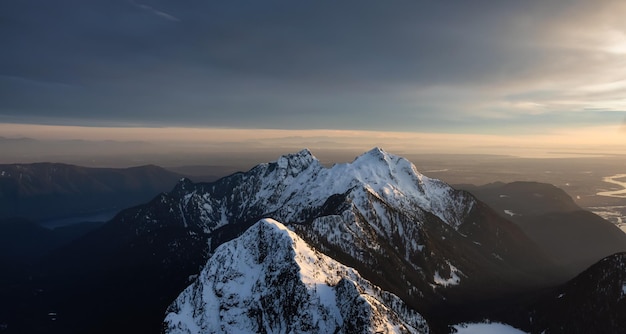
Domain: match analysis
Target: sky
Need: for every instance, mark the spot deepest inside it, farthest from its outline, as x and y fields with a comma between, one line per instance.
x=447, y=76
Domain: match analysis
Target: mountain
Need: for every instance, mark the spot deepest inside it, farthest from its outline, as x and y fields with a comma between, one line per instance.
x=593, y=302
x=43, y=191
x=268, y=280
x=529, y=198
x=573, y=237
x=438, y=249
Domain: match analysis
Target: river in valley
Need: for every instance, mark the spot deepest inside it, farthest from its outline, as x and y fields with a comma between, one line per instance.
x=615, y=179
x=615, y=214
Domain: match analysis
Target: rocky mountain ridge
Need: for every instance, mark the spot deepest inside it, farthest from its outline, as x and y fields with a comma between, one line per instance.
x=269, y=280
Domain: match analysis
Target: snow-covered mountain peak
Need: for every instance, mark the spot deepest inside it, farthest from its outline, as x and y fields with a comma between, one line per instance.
x=295, y=163
x=377, y=156
x=269, y=280
x=397, y=181
x=301, y=181
x=294, y=186
x=385, y=165
x=376, y=152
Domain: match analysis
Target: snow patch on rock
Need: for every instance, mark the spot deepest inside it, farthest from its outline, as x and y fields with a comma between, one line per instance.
x=453, y=278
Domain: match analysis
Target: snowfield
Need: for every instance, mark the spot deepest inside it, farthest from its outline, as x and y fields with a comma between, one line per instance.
x=486, y=328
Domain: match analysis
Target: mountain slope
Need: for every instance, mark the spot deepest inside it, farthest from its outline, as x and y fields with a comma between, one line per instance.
x=269, y=280
x=593, y=302
x=529, y=198
x=573, y=237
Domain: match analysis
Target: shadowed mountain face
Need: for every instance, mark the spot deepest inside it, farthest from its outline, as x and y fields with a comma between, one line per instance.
x=573, y=237
x=44, y=191
x=438, y=249
x=523, y=198
x=593, y=302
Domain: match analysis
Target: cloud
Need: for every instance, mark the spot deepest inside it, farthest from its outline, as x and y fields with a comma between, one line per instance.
x=155, y=11
x=415, y=66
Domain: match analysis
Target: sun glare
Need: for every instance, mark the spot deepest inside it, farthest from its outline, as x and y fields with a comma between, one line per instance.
x=616, y=42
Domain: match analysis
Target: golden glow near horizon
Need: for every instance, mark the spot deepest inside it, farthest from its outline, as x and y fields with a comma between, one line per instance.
x=590, y=140
x=552, y=75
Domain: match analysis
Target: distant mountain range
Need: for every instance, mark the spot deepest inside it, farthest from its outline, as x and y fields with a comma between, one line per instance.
x=29, y=150
x=44, y=191
x=372, y=245
x=573, y=237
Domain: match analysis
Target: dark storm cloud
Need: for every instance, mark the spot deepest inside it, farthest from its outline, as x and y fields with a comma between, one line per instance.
x=287, y=64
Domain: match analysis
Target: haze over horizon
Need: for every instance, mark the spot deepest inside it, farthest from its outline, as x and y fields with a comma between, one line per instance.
x=526, y=79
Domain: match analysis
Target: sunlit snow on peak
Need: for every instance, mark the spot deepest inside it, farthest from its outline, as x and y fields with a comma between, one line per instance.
x=270, y=280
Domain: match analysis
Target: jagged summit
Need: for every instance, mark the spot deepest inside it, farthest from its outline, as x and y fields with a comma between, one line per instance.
x=377, y=165
x=295, y=163
x=305, y=153
x=375, y=152
x=378, y=155
x=396, y=180
x=269, y=280
x=299, y=181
